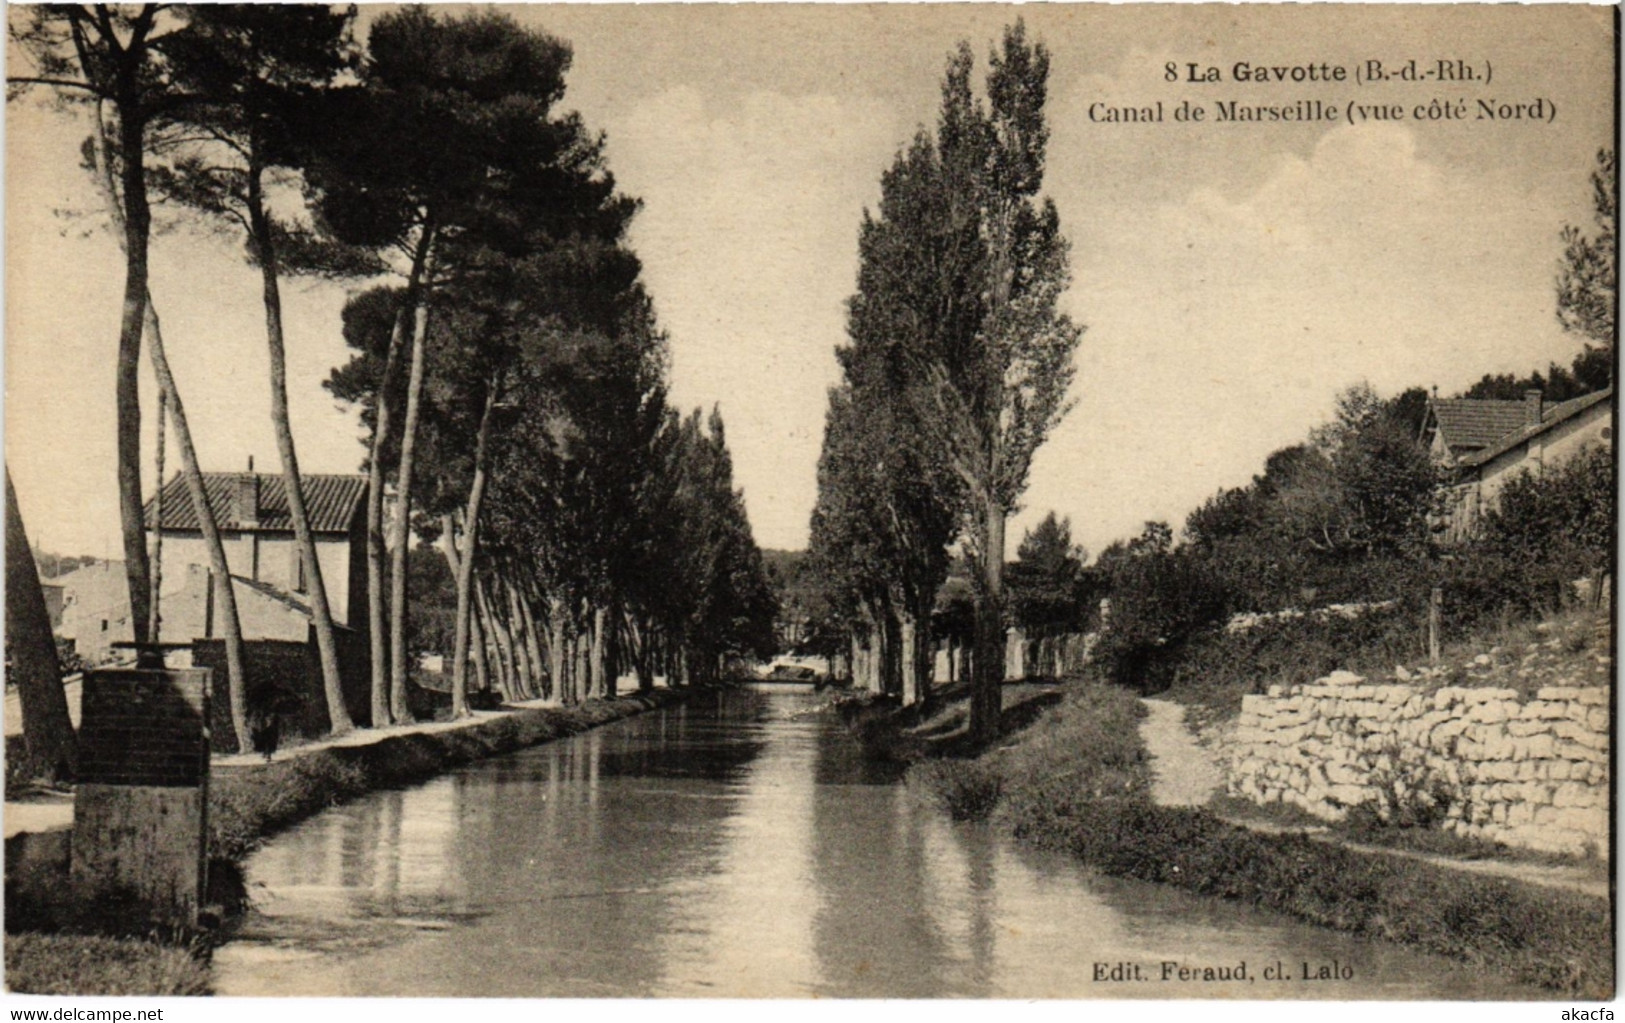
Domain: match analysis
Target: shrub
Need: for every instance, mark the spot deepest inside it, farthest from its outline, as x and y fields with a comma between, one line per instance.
x=967, y=789
x=71, y=964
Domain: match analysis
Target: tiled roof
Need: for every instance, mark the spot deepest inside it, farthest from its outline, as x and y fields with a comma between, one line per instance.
x=330, y=500
x=1550, y=418
x=1468, y=424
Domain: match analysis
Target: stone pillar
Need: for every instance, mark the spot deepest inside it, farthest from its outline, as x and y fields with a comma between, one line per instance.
x=140, y=807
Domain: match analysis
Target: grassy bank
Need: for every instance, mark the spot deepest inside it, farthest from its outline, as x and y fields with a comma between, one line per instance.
x=1078, y=781
x=247, y=804
x=49, y=945
x=63, y=964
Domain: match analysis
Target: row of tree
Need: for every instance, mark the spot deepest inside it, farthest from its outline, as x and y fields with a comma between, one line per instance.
x=956, y=369
x=511, y=375
x=1349, y=514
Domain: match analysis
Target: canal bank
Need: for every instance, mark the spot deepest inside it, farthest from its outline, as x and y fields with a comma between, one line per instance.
x=1080, y=782
x=250, y=801
x=739, y=845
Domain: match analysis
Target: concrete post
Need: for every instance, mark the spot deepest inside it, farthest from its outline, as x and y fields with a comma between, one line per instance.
x=140, y=806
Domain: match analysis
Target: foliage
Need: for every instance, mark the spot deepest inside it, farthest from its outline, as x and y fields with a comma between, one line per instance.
x=77, y=964
x=960, y=360
x=1565, y=515
x=1588, y=283
x=605, y=518
x=1049, y=590
x=1160, y=596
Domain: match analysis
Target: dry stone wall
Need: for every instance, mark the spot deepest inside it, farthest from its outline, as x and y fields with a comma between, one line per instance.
x=1478, y=761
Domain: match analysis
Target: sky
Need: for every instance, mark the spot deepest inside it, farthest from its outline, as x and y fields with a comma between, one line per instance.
x=1232, y=277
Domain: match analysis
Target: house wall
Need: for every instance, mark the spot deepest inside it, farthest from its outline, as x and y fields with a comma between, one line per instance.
x=1472, y=500
x=1525, y=773
x=96, y=610
x=186, y=613
x=1550, y=448
x=268, y=558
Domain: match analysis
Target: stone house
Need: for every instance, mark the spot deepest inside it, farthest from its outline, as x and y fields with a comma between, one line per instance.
x=95, y=609
x=1481, y=444
x=271, y=589
x=251, y=511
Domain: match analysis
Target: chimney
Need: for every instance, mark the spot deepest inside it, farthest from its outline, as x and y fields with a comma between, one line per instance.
x=1532, y=409
x=246, y=499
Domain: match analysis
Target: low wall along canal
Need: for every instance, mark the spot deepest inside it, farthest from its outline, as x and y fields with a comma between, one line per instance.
x=738, y=845
x=1526, y=773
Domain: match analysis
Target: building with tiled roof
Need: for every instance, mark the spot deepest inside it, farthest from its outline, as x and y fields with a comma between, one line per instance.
x=1482, y=444
x=251, y=511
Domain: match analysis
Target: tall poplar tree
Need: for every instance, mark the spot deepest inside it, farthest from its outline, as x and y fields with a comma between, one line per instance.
x=989, y=354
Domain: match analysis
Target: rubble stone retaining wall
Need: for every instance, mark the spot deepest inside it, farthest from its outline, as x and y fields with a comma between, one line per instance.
x=1530, y=773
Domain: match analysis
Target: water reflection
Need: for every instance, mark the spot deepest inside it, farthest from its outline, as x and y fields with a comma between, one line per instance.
x=731, y=846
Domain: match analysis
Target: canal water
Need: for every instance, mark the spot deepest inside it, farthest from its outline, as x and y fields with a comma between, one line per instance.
x=737, y=845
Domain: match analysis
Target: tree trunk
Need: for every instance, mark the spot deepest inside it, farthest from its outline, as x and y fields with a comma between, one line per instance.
x=638, y=642
x=191, y=472
x=598, y=665
x=556, y=656
x=220, y=570
x=137, y=224
x=155, y=625
x=495, y=625
x=482, y=663
x=919, y=658
x=321, y=615
x=52, y=750
x=465, y=575
x=530, y=666
x=383, y=688
x=533, y=640
x=988, y=670
x=892, y=664
x=580, y=647
x=399, y=525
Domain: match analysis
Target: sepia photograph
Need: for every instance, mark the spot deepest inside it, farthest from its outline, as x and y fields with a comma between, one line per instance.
x=1063, y=502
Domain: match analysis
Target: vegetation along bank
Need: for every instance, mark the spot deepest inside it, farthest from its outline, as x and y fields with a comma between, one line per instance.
x=51, y=944
x=1078, y=780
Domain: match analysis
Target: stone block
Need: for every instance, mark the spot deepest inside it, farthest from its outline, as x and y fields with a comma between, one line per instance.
x=1350, y=795
x=1594, y=696
x=1485, y=695
x=1558, y=693
x=1342, y=678
x=1491, y=711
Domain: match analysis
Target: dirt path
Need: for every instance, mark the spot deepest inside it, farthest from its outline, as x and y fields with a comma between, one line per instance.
x=1182, y=773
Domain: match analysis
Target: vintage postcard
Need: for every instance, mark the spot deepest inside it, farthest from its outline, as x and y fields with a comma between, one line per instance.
x=836, y=501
